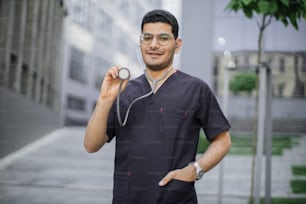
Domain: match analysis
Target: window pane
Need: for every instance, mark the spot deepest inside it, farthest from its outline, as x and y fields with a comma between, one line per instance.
x=76, y=103
x=77, y=66
x=101, y=66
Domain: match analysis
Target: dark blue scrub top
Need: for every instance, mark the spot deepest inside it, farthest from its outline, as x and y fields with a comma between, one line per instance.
x=161, y=135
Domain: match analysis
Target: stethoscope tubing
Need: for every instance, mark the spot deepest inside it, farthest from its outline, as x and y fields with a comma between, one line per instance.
x=154, y=83
x=130, y=106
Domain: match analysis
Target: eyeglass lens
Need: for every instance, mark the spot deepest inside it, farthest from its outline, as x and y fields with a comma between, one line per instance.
x=162, y=39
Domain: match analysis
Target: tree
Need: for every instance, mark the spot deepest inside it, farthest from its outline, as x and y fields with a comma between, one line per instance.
x=243, y=82
x=286, y=11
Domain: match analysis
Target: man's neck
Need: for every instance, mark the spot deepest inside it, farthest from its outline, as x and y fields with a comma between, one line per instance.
x=159, y=77
x=156, y=74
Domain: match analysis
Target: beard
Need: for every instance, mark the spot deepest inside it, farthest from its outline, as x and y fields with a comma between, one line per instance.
x=159, y=66
x=156, y=67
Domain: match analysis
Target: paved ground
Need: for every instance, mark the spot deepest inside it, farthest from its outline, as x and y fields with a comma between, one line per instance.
x=57, y=170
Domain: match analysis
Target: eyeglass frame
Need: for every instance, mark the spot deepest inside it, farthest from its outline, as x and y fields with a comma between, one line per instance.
x=158, y=38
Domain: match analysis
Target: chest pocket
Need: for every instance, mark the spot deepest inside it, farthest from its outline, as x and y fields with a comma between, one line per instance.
x=174, y=122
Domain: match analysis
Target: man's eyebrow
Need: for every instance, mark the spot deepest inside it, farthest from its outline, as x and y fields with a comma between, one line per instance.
x=163, y=34
x=156, y=34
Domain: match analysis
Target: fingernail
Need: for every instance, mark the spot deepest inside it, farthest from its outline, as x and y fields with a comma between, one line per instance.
x=161, y=183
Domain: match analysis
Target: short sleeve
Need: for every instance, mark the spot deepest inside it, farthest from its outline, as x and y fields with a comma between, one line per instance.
x=111, y=124
x=211, y=116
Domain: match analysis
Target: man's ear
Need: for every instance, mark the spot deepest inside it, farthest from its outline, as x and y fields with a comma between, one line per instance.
x=178, y=45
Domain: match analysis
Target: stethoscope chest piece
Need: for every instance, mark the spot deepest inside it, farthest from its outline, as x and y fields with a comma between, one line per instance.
x=124, y=73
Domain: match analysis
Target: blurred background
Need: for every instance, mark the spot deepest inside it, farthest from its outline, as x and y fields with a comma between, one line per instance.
x=54, y=54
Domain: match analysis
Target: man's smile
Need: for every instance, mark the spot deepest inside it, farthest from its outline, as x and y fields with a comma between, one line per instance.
x=154, y=54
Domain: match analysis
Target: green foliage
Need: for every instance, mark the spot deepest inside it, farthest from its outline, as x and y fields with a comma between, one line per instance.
x=285, y=200
x=203, y=143
x=286, y=11
x=243, y=82
x=299, y=170
x=242, y=145
x=298, y=186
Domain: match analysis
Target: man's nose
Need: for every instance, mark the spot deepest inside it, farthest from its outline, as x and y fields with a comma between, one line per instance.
x=154, y=42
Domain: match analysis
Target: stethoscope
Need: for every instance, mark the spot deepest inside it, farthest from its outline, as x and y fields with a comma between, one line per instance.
x=124, y=74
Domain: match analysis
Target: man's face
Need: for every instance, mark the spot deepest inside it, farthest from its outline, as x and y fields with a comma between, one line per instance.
x=158, y=52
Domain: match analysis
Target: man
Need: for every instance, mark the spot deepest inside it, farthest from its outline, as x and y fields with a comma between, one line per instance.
x=156, y=149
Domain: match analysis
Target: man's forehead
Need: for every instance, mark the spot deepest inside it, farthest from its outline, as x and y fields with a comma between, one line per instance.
x=156, y=28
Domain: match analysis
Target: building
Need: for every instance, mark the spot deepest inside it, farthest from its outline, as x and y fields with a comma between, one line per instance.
x=235, y=42
x=30, y=69
x=214, y=39
x=98, y=34
x=288, y=70
x=54, y=53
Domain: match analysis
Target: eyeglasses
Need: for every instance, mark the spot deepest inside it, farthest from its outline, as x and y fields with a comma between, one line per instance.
x=162, y=39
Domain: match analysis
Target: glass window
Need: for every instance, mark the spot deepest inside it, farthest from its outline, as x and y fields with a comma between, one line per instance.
x=282, y=65
x=82, y=13
x=281, y=88
x=24, y=78
x=12, y=71
x=76, y=103
x=101, y=66
x=270, y=61
x=77, y=66
x=246, y=59
x=304, y=64
x=104, y=30
x=236, y=60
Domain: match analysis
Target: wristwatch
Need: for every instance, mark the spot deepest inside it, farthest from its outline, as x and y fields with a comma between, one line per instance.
x=199, y=171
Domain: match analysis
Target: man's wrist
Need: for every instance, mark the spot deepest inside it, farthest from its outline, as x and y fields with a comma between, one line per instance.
x=199, y=172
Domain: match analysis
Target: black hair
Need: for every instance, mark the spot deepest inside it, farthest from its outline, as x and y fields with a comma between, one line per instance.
x=163, y=16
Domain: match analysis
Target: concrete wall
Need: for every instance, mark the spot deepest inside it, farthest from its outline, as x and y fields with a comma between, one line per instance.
x=288, y=114
x=22, y=121
x=196, y=54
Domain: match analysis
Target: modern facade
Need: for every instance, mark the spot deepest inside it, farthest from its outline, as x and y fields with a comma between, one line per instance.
x=98, y=34
x=54, y=53
x=30, y=58
x=235, y=43
x=288, y=70
x=214, y=39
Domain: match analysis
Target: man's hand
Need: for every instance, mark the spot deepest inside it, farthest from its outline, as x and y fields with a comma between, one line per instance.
x=187, y=174
x=110, y=85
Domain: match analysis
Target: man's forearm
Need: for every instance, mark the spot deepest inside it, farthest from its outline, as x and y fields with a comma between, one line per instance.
x=215, y=152
x=212, y=156
x=96, y=135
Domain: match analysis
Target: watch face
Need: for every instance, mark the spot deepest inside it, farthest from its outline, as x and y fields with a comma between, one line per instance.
x=201, y=174
x=199, y=171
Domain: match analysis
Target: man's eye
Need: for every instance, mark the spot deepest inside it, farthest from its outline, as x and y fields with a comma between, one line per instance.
x=147, y=37
x=164, y=38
